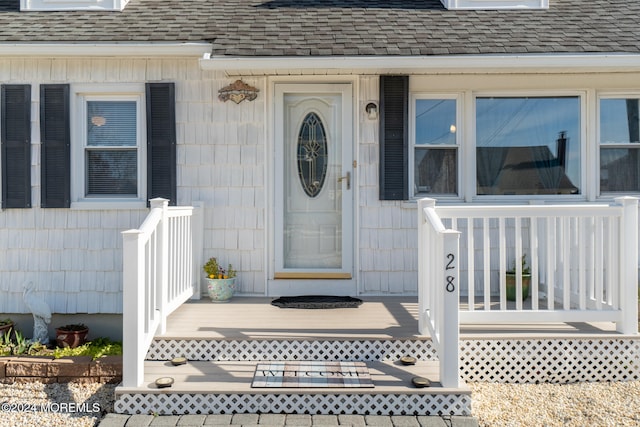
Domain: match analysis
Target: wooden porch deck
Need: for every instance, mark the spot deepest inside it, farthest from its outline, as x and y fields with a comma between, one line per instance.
x=224, y=342
x=247, y=318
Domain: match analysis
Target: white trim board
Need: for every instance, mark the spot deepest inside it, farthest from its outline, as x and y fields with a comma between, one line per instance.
x=459, y=63
x=140, y=50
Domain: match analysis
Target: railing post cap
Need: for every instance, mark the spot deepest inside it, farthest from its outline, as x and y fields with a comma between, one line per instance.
x=626, y=200
x=427, y=202
x=131, y=231
x=158, y=202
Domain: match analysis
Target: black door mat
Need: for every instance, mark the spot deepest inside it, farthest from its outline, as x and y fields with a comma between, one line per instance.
x=317, y=301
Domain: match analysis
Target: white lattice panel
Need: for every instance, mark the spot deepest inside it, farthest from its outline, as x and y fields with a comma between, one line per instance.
x=544, y=360
x=260, y=350
x=550, y=360
x=393, y=404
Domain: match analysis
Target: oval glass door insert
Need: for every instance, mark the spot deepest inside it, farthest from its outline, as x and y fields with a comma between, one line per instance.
x=312, y=155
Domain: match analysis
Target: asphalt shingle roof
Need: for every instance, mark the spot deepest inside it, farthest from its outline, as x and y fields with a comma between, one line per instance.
x=342, y=28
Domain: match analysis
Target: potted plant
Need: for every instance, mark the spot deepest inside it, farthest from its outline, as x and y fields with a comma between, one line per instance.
x=526, y=280
x=221, y=283
x=72, y=335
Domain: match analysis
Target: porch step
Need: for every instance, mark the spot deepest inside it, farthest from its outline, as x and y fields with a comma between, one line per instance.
x=224, y=387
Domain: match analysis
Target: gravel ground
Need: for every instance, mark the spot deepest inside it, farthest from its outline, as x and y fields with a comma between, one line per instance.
x=580, y=404
x=53, y=405
x=495, y=405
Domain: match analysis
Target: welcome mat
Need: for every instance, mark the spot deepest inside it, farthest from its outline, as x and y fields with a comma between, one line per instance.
x=317, y=301
x=300, y=374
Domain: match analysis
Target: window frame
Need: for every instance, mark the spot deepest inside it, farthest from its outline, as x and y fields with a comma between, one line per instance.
x=413, y=99
x=81, y=94
x=609, y=195
x=466, y=140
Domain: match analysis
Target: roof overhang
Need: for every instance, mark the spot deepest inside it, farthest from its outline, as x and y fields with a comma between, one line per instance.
x=140, y=50
x=467, y=64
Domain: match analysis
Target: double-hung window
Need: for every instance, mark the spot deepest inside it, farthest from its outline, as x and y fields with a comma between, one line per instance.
x=435, y=148
x=619, y=139
x=111, y=162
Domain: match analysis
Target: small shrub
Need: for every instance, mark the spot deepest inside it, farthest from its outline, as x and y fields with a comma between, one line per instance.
x=97, y=348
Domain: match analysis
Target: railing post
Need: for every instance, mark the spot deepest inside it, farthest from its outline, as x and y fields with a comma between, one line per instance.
x=162, y=263
x=450, y=359
x=132, y=309
x=197, y=231
x=628, y=265
x=423, y=257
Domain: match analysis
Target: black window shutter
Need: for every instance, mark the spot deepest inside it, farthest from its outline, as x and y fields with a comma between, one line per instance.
x=394, y=104
x=161, y=141
x=56, y=146
x=16, y=146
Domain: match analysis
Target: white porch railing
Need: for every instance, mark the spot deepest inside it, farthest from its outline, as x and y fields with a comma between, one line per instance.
x=583, y=260
x=160, y=272
x=438, y=289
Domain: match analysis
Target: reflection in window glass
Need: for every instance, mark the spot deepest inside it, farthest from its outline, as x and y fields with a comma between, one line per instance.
x=111, y=150
x=620, y=141
x=436, y=150
x=112, y=172
x=111, y=123
x=435, y=121
x=528, y=145
x=436, y=171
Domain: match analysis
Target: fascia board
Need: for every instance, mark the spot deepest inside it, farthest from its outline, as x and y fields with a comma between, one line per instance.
x=451, y=63
x=140, y=50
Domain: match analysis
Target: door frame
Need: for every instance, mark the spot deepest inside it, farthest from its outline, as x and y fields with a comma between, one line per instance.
x=299, y=285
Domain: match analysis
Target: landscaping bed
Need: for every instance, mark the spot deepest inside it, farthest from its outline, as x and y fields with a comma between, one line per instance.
x=47, y=369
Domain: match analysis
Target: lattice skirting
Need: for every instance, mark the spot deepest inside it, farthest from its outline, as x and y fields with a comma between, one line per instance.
x=375, y=404
x=261, y=350
x=550, y=360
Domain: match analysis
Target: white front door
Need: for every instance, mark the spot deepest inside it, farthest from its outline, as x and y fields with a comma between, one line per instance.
x=313, y=194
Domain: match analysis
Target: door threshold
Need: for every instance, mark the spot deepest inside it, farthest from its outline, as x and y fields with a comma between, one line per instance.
x=339, y=287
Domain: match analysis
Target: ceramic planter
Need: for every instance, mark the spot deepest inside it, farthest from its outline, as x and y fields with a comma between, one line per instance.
x=221, y=290
x=71, y=337
x=511, y=286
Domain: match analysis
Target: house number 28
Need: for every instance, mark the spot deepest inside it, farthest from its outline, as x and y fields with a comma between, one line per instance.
x=450, y=286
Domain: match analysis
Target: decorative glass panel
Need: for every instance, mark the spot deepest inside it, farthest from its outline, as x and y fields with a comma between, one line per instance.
x=312, y=155
x=528, y=145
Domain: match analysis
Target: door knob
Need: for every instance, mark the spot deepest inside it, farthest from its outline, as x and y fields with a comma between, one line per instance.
x=347, y=178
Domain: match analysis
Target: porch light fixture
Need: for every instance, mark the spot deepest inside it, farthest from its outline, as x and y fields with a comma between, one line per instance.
x=372, y=111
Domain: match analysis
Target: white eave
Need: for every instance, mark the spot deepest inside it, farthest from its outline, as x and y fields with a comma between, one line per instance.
x=140, y=50
x=494, y=4
x=467, y=64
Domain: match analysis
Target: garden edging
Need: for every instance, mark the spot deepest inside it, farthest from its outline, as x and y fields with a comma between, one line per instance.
x=46, y=369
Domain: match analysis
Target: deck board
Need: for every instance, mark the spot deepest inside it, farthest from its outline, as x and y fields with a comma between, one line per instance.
x=245, y=318
x=228, y=377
